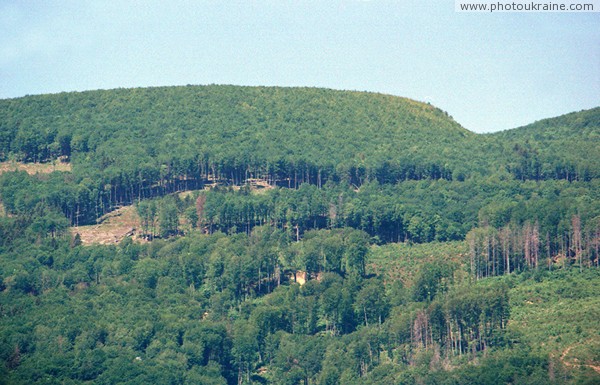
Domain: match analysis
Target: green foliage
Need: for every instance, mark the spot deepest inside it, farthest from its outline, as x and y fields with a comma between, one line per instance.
x=564, y=307
x=565, y=147
x=122, y=152
x=167, y=218
x=197, y=309
x=432, y=279
x=496, y=275
x=371, y=303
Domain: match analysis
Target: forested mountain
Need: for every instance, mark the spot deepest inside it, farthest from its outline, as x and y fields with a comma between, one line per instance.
x=566, y=147
x=276, y=133
x=324, y=237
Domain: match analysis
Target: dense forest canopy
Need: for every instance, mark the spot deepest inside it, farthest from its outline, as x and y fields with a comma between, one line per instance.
x=324, y=237
x=278, y=132
x=566, y=147
x=275, y=131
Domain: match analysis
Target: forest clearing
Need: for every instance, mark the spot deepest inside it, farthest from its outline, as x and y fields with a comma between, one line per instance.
x=111, y=228
x=36, y=168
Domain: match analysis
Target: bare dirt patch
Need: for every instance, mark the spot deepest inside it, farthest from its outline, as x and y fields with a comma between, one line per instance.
x=111, y=228
x=185, y=194
x=259, y=185
x=574, y=362
x=35, y=168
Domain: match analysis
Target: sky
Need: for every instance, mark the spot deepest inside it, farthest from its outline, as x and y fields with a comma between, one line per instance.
x=490, y=72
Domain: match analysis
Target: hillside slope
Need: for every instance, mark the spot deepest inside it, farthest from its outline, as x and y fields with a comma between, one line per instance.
x=305, y=134
x=564, y=147
x=433, y=255
x=233, y=128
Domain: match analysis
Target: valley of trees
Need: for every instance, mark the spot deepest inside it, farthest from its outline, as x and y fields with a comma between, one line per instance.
x=425, y=248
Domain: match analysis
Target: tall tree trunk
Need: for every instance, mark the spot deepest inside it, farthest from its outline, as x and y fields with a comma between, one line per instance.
x=576, y=240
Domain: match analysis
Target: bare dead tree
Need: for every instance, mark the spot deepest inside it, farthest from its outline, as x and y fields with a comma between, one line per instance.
x=576, y=240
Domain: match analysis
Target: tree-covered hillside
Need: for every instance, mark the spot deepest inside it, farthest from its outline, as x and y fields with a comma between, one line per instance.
x=566, y=147
x=282, y=134
x=130, y=144
x=294, y=236
x=279, y=133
